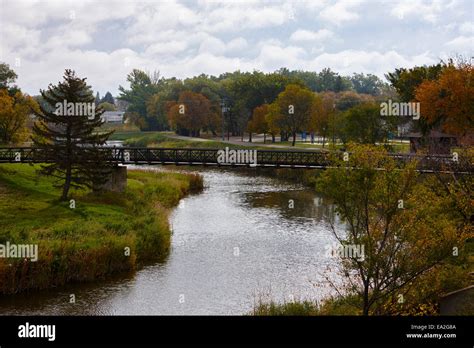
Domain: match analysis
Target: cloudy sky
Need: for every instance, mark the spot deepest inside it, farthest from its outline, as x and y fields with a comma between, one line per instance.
x=104, y=40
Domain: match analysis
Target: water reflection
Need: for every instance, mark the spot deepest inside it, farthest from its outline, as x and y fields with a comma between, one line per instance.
x=234, y=242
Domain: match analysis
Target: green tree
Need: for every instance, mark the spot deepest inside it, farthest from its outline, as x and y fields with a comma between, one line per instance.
x=142, y=87
x=367, y=84
x=348, y=99
x=70, y=135
x=8, y=78
x=156, y=109
x=332, y=81
x=107, y=106
x=108, y=98
x=324, y=81
x=363, y=124
x=404, y=230
x=204, y=85
x=249, y=90
x=296, y=105
x=405, y=81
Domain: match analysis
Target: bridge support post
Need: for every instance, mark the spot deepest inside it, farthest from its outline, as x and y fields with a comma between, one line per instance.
x=117, y=181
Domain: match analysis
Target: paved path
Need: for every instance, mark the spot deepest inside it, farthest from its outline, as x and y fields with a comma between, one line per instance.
x=258, y=141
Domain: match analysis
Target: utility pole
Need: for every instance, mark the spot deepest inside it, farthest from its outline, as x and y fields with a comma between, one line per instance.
x=223, y=109
x=334, y=124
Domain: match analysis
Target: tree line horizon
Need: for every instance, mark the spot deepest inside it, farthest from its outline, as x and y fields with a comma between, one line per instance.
x=323, y=104
x=286, y=102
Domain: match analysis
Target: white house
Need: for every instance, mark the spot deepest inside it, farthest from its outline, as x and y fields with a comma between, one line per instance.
x=113, y=116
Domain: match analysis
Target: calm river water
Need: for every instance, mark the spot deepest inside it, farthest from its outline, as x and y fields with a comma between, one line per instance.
x=235, y=243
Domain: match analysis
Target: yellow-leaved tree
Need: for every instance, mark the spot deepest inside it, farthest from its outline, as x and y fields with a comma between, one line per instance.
x=258, y=124
x=14, y=114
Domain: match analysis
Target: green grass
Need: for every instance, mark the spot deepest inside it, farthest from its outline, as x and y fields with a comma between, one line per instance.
x=303, y=145
x=392, y=146
x=88, y=242
x=305, y=308
x=120, y=135
x=119, y=128
x=348, y=305
x=163, y=139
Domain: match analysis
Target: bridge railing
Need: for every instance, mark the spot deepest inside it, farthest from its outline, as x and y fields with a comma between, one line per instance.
x=210, y=156
x=290, y=158
x=25, y=154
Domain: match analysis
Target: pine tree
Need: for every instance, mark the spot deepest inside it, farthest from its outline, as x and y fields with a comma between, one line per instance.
x=108, y=98
x=67, y=130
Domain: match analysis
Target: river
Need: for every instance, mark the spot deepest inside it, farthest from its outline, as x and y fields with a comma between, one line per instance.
x=238, y=241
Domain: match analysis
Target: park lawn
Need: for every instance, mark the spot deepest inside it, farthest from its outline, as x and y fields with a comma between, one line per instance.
x=120, y=135
x=165, y=140
x=305, y=145
x=119, y=127
x=90, y=241
x=162, y=139
x=393, y=146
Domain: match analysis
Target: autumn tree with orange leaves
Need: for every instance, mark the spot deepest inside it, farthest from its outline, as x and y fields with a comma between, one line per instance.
x=191, y=113
x=447, y=104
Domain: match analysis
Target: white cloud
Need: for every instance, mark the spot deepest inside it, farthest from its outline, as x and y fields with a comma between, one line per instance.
x=205, y=63
x=418, y=9
x=467, y=28
x=219, y=47
x=349, y=61
x=151, y=19
x=166, y=48
x=341, y=11
x=212, y=45
x=17, y=38
x=105, y=40
x=273, y=57
x=237, y=45
x=308, y=35
x=68, y=38
x=239, y=16
x=461, y=44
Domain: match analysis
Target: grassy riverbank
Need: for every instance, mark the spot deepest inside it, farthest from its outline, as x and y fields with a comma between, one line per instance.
x=331, y=306
x=164, y=139
x=91, y=241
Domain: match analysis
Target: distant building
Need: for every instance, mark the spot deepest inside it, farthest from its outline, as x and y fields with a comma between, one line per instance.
x=113, y=116
x=435, y=142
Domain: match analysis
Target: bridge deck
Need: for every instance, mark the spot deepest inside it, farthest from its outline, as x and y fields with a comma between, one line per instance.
x=264, y=158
